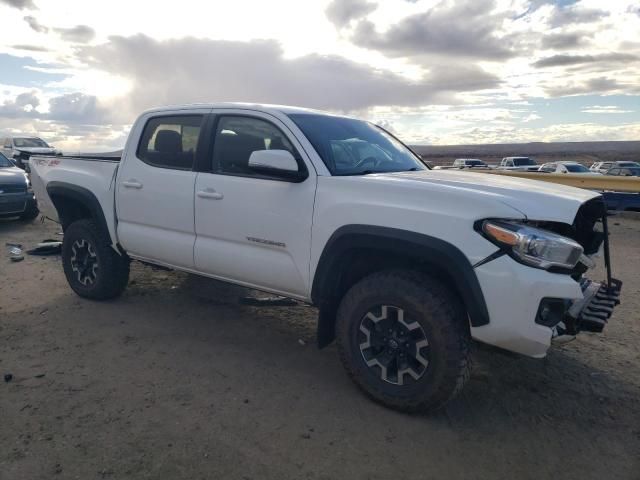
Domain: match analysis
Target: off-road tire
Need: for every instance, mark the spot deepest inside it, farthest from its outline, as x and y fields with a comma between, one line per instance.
x=442, y=319
x=110, y=277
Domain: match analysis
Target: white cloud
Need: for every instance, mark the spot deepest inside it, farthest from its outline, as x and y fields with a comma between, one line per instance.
x=433, y=70
x=605, y=109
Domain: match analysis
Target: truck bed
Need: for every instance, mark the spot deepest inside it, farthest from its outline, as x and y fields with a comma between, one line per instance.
x=95, y=172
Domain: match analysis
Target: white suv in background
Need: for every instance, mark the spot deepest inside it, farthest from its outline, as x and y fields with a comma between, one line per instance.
x=566, y=167
x=603, y=167
x=21, y=148
x=469, y=163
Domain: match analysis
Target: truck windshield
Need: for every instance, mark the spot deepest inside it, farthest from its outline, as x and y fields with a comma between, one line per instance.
x=576, y=168
x=355, y=147
x=29, y=143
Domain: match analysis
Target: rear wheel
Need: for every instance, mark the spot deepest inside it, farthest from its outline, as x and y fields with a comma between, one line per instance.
x=404, y=339
x=93, y=269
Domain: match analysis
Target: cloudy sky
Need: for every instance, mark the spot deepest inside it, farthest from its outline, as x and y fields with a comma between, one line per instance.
x=78, y=72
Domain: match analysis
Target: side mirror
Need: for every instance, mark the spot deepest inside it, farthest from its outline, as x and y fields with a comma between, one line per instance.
x=279, y=163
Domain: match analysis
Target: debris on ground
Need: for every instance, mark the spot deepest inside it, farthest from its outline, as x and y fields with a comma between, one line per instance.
x=8, y=377
x=268, y=301
x=15, y=251
x=47, y=247
x=15, y=254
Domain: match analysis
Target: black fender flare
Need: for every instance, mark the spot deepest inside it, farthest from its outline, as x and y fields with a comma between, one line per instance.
x=81, y=195
x=435, y=251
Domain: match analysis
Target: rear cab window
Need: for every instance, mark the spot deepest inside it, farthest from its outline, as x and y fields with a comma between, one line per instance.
x=171, y=141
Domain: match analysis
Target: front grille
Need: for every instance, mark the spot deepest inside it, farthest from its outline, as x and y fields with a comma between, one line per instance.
x=12, y=188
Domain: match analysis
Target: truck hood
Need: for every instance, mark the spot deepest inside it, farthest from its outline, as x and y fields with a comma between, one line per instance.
x=536, y=200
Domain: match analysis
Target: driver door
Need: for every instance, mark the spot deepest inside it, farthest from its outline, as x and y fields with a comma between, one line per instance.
x=253, y=229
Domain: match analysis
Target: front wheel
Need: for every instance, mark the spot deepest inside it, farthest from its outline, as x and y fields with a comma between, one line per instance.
x=404, y=339
x=93, y=269
x=30, y=212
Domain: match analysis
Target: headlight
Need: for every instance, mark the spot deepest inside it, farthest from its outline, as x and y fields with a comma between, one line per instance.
x=29, y=186
x=533, y=246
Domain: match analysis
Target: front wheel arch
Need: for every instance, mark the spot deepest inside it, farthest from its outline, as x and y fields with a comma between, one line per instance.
x=383, y=248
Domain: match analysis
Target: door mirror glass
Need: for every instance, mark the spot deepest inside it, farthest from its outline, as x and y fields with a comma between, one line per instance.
x=274, y=162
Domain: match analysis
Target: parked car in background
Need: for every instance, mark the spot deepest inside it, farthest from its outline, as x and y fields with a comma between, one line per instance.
x=566, y=167
x=405, y=264
x=624, y=172
x=524, y=164
x=20, y=149
x=602, y=167
x=16, y=196
x=469, y=163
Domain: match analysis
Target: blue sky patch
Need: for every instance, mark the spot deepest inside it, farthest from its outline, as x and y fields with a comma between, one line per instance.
x=13, y=72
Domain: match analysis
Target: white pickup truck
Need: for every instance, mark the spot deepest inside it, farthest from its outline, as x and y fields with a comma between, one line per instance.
x=407, y=265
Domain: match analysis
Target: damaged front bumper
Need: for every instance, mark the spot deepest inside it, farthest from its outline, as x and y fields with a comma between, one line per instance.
x=592, y=312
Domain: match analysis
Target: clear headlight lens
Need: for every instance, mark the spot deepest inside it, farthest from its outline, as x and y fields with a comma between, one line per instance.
x=533, y=246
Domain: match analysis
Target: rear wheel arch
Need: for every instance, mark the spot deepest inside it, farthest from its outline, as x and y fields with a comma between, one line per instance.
x=73, y=203
x=355, y=251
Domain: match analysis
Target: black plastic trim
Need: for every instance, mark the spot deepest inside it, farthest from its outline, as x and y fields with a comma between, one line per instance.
x=81, y=195
x=402, y=242
x=490, y=258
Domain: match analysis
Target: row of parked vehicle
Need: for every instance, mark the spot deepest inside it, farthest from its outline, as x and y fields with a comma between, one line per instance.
x=527, y=164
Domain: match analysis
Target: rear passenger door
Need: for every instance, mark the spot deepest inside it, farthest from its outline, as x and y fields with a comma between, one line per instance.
x=251, y=228
x=155, y=188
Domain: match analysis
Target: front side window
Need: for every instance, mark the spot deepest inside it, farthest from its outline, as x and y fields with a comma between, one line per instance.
x=170, y=142
x=237, y=137
x=354, y=147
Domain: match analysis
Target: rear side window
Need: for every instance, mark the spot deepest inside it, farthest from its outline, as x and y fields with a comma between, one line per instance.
x=171, y=142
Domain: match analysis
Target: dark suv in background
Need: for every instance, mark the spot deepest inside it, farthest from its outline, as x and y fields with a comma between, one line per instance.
x=16, y=196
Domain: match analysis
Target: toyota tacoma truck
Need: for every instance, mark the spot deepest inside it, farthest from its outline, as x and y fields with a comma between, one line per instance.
x=407, y=265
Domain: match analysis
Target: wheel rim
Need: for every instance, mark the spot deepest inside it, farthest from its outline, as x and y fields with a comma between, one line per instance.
x=393, y=345
x=84, y=262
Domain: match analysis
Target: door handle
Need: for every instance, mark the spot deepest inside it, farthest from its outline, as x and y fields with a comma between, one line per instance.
x=132, y=184
x=210, y=193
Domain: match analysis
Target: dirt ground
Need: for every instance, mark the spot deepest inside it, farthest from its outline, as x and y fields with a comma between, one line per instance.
x=177, y=380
